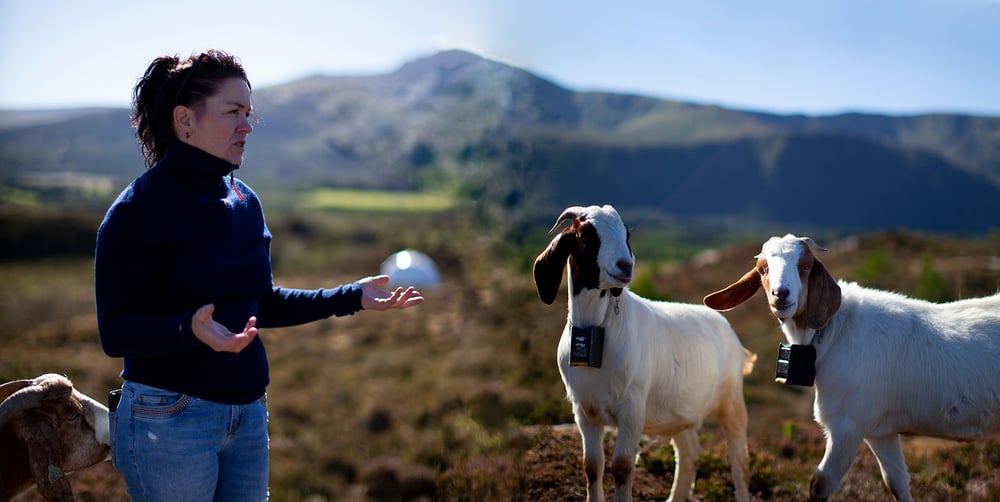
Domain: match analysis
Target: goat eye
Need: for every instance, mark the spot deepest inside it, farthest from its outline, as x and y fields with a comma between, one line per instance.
x=73, y=416
x=762, y=270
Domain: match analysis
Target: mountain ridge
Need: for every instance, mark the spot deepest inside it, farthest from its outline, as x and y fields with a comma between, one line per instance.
x=496, y=131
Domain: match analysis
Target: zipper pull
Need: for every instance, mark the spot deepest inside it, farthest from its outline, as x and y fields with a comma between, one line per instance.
x=232, y=181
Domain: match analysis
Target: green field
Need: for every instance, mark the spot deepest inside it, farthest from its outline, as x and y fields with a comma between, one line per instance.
x=376, y=200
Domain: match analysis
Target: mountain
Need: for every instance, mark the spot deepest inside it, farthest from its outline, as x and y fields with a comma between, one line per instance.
x=503, y=135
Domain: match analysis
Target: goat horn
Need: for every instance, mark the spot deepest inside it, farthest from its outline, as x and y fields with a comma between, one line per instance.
x=49, y=385
x=571, y=213
x=812, y=244
x=11, y=387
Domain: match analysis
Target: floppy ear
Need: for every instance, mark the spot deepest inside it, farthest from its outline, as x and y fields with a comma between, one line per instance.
x=44, y=458
x=823, y=298
x=736, y=293
x=549, y=266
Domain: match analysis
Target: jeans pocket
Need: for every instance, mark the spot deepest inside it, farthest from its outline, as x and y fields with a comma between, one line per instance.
x=157, y=403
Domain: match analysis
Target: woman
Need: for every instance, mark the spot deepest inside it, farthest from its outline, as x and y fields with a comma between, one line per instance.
x=183, y=281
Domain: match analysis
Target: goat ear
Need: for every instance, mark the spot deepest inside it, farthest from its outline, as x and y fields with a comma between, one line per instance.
x=549, y=266
x=736, y=293
x=44, y=454
x=823, y=298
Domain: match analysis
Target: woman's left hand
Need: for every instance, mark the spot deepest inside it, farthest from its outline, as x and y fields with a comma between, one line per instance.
x=373, y=297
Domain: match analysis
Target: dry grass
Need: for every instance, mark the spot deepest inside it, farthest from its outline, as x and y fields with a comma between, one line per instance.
x=457, y=399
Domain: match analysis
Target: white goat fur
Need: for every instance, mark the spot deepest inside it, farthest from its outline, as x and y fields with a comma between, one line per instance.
x=666, y=366
x=886, y=364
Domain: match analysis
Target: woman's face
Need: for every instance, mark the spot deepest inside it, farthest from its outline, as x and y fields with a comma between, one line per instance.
x=221, y=124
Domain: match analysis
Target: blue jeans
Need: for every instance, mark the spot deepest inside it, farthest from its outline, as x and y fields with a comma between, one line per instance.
x=171, y=446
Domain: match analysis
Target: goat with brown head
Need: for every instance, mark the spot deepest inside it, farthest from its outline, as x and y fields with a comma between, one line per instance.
x=884, y=364
x=797, y=285
x=48, y=429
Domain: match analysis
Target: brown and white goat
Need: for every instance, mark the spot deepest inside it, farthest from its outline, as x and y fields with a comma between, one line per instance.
x=663, y=368
x=48, y=429
x=885, y=364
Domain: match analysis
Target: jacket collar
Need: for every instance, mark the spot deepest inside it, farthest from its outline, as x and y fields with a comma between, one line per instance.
x=196, y=167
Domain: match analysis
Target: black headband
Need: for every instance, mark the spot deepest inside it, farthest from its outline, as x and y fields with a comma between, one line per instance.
x=180, y=88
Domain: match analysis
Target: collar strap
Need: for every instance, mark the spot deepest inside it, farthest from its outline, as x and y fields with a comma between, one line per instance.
x=818, y=336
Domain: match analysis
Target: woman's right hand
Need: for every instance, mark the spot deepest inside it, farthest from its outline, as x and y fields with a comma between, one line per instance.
x=217, y=336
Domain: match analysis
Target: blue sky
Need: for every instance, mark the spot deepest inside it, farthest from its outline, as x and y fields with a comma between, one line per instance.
x=783, y=56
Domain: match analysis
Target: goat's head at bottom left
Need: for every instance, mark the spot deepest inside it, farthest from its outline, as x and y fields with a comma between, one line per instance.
x=47, y=429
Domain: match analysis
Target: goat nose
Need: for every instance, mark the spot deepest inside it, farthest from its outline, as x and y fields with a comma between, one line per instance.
x=780, y=293
x=625, y=266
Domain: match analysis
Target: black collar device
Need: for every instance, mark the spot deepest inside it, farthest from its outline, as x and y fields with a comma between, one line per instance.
x=796, y=365
x=586, y=346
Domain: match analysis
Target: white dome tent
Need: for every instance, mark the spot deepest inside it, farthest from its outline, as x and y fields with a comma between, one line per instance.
x=411, y=268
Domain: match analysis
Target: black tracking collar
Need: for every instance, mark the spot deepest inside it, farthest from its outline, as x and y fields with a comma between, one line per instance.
x=587, y=346
x=796, y=365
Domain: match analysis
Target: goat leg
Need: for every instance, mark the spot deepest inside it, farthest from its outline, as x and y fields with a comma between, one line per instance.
x=842, y=442
x=889, y=452
x=687, y=448
x=626, y=450
x=593, y=457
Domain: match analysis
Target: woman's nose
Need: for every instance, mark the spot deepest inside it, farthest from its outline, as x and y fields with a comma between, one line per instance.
x=245, y=126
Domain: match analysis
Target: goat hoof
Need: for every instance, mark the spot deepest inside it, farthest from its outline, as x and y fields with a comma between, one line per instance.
x=817, y=488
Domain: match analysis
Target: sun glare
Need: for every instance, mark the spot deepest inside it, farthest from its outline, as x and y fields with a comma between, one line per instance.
x=403, y=260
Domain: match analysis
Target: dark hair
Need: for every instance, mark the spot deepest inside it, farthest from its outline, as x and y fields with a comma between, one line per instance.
x=169, y=82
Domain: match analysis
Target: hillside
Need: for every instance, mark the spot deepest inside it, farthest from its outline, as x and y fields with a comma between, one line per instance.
x=460, y=399
x=462, y=124
x=802, y=181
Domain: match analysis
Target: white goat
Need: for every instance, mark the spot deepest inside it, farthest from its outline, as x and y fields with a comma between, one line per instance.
x=664, y=368
x=48, y=429
x=885, y=364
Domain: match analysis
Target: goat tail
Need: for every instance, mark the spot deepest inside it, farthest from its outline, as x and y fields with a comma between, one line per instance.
x=749, y=358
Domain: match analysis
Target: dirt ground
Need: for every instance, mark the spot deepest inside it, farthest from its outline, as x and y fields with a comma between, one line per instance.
x=556, y=472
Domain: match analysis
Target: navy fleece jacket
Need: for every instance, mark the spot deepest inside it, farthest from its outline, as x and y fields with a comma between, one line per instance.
x=179, y=237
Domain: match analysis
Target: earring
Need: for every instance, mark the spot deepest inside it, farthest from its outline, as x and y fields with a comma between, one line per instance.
x=187, y=135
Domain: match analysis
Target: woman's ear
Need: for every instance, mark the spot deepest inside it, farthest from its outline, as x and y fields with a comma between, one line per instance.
x=736, y=293
x=183, y=117
x=549, y=266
